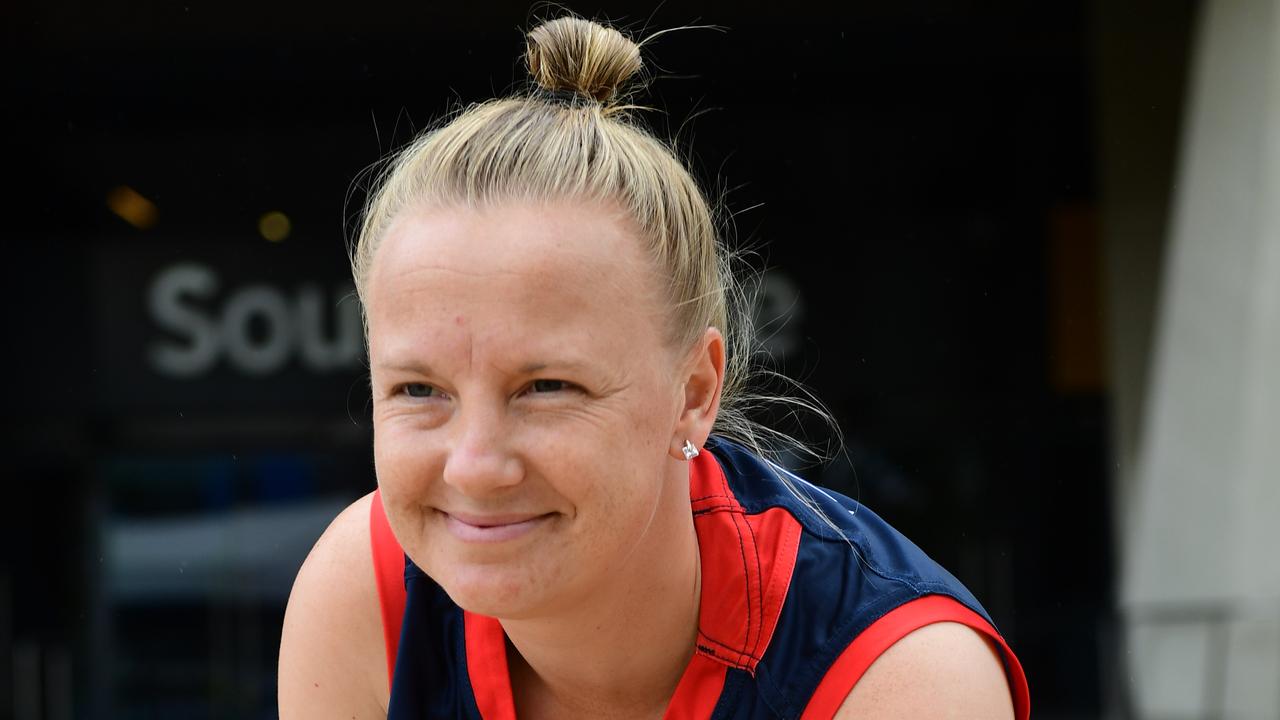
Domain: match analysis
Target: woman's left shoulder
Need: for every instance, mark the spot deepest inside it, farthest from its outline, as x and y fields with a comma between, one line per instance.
x=942, y=666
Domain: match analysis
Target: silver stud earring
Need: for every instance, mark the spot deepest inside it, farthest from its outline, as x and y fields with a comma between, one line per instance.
x=690, y=452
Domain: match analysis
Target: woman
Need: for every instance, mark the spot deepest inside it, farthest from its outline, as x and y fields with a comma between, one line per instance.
x=560, y=528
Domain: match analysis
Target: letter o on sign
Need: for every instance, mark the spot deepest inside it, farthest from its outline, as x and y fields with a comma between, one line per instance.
x=270, y=353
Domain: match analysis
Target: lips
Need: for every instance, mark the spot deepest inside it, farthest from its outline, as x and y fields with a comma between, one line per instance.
x=491, y=528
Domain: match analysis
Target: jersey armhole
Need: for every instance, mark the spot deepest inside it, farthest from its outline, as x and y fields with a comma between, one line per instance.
x=849, y=667
x=388, y=571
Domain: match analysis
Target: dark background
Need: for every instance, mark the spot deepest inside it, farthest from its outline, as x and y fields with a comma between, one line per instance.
x=922, y=178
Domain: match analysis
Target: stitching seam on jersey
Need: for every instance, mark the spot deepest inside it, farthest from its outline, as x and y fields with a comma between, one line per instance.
x=709, y=497
x=737, y=517
x=760, y=583
x=729, y=658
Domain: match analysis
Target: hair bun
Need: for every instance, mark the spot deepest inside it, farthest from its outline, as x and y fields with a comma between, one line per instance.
x=576, y=55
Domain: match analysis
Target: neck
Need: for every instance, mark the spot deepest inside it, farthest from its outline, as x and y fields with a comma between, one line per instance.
x=621, y=651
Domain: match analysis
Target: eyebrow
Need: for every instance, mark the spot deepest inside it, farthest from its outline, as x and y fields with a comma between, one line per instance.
x=533, y=367
x=413, y=366
x=403, y=366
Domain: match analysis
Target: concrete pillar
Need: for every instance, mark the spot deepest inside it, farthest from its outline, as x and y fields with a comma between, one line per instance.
x=1200, y=572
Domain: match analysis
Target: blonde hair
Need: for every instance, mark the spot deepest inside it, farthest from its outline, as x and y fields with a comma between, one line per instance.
x=574, y=136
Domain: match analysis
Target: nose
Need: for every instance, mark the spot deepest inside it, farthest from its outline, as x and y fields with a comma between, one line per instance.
x=480, y=462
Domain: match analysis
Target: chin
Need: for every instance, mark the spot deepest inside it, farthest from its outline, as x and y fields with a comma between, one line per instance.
x=497, y=590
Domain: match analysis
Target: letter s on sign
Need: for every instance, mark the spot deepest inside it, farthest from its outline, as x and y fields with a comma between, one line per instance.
x=165, y=303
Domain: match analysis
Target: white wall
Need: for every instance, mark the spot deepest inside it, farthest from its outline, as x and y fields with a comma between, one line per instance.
x=1200, y=526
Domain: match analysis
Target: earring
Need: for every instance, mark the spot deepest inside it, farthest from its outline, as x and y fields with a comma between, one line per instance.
x=690, y=452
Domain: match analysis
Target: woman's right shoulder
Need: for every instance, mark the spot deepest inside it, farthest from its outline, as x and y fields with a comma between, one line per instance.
x=332, y=659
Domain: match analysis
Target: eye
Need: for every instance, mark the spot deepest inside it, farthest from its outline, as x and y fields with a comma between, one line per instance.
x=548, y=386
x=419, y=390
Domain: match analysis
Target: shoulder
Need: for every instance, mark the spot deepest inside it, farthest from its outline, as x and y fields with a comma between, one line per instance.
x=870, y=624
x=331, y=646
x=943, y=665
x=864, y=565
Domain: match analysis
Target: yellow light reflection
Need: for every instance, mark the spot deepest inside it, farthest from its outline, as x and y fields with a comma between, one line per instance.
x=274, y=226
x=132, y=207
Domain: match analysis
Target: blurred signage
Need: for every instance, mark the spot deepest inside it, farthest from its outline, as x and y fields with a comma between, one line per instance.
x=216, y=328
x=305, y=323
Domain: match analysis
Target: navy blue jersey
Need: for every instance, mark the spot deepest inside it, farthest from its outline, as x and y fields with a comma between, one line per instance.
x=793, y=609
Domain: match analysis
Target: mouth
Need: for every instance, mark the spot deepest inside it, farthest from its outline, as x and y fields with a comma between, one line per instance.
x=491, y=528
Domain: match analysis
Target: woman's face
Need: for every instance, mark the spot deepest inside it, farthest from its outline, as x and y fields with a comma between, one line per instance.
x=524, y=400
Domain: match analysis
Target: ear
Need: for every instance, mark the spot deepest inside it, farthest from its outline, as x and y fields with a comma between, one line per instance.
x=703, y=381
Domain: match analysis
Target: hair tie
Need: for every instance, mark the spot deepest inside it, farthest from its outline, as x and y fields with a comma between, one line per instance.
x=564, y=96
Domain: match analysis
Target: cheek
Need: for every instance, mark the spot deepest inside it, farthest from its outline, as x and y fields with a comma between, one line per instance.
x=615, y=481
x=621, y=519
x=405, y=463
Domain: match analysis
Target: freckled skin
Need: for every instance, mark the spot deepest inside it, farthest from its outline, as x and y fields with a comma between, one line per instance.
x=471, y=308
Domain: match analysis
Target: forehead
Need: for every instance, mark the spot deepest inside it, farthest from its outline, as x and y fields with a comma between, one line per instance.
x=557, y=268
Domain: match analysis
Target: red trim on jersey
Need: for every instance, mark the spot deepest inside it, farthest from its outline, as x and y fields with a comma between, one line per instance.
x=747, y=562
x=388, y=570
x=895, y=625
x=487, y=667
x=699, y=690
x=695, y=697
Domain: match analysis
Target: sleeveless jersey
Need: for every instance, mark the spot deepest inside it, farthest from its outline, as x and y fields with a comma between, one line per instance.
x=793, y=611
